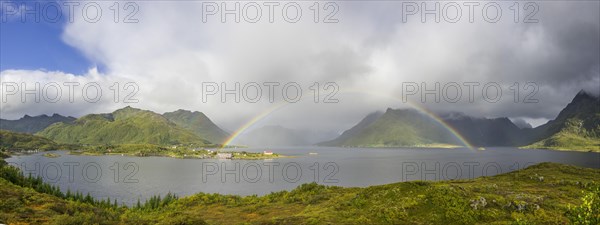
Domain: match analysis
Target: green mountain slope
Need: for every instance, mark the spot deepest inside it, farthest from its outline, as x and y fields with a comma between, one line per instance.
x=395, y=128
x=22, y=141
x=33, y=124
x=411, y=128
x=199, y=124
x=577, y=127
x=124, y=126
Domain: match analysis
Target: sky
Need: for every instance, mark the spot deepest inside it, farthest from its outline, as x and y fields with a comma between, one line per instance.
x=361, y=56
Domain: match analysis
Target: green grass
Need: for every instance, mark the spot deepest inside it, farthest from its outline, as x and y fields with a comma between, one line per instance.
x=546, y=193
x=27, y=200
x=567, y=142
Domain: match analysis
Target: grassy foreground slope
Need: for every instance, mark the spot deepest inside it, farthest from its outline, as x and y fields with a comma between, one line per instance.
x=547, y=193
x=21, y=205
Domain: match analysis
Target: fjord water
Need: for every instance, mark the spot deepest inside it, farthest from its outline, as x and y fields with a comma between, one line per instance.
x=128, y=179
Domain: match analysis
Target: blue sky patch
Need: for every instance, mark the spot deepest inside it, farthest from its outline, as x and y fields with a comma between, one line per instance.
x=32, y=45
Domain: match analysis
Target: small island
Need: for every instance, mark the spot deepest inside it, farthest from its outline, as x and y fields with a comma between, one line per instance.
x=51, y=155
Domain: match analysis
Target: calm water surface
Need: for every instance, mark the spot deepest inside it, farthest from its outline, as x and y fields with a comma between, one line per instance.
x=131, y=178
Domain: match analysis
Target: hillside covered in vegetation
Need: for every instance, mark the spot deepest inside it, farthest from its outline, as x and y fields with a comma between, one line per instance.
x=576, y=127
x=124, y=126
x=199, y=124
x=395, y=128
x=21, y=141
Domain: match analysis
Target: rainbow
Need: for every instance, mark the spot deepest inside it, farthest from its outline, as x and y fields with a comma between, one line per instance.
x=416, y=106
x=448, y=127
x=251, y=122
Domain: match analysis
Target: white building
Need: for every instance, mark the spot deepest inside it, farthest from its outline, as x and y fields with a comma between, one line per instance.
x=224, y=155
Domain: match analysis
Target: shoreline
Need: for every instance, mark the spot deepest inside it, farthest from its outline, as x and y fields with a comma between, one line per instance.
x=402, y=147
x=560, y=149
x=545, y=188
x=51, y=154
x=479, y=148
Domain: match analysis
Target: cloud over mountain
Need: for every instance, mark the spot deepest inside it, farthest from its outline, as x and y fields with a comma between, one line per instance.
x=369, y=53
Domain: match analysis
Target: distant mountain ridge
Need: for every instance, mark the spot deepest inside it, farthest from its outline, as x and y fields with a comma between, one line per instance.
x=33, y=124
x=489, y=132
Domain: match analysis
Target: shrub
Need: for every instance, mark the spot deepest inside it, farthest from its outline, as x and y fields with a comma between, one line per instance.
x=589, y=210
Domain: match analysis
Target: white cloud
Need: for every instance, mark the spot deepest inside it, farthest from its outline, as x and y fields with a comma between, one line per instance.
x=170, y=52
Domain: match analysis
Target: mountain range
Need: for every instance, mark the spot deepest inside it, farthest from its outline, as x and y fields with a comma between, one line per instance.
x=124, y=126
x=139, y=126
x=577, y=127
x=488, y=131
x=33, y=124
